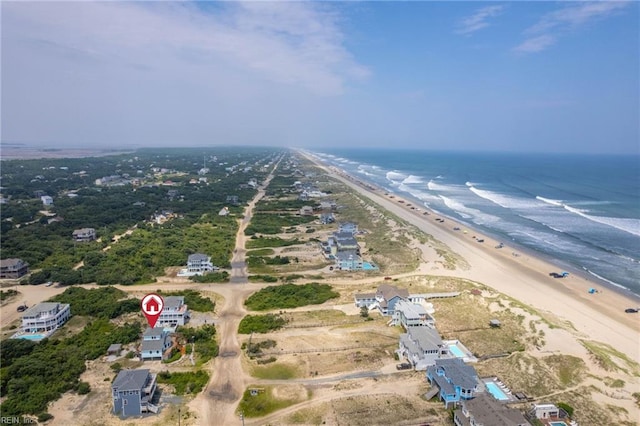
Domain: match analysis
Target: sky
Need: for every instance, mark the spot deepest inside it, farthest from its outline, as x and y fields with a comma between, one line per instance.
x=482, y=76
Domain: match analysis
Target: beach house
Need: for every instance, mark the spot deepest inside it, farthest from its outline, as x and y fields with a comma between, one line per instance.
x=484, y=411
x=454, y=380
x=197, y=264
x=174, y=312
x=45, y=317
x=387, y=296
x=13, y=268
x=421, y=346
x=155, y=342
x=348, y=227
x=132, y=392
x=348, y=260
x=408, y=314
x=84, y=234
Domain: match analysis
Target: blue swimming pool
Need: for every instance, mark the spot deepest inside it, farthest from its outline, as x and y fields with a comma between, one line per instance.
x=33, y=336
x=496, y=391
x=369, y=266
x=558, y=424
x=456, y=351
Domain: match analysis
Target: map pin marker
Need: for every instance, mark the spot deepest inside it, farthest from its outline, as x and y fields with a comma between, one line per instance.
x=152, y=305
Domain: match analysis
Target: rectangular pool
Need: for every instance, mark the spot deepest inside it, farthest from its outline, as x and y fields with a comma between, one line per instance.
x=497, y=392
x=456, y=351
x=32, y=336
x=558, y=424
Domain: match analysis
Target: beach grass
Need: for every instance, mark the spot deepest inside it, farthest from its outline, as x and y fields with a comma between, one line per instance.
x=611, y=359
x=263, y=402
x=276, y=371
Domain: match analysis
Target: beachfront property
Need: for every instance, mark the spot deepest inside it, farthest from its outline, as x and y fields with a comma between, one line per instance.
x=408, y=314
x=43, y=319
x=387, y=296
x=348, y=227
x=13, y=268
x=174, y=312
x=485, y=410
x=421, y=346
x=155, y=344
x=454, y=380
x=84, y=234
x=550, y=415
x=132, y=392
x=545, y=411
x=197, y=264
x=348, y=260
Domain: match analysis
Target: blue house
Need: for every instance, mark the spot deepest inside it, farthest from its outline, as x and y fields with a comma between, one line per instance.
x=387, y=296
x=155, y=342
x=132, y=392
x=455, y=380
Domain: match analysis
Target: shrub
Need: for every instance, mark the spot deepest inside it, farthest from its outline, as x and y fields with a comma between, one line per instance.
x=260, y=323
x=290, y=296
x=83, y=388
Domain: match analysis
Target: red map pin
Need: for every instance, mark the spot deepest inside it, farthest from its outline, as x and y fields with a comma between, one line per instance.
x=152, y=305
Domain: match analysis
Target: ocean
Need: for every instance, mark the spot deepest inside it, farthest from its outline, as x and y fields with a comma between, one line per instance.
x=581, y=212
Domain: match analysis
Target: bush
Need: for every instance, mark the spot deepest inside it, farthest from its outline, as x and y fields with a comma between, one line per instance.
x=83, y=388
x=290, y=296
x=260, y=323
x=43, y=417
x=189, y=382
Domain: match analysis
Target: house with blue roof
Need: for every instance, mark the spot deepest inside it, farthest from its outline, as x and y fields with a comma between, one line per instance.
x=454, y=379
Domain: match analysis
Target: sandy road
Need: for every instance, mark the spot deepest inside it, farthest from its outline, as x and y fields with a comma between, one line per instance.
x=216, y=405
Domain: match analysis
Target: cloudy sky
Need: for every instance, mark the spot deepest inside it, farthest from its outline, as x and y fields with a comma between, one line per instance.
x=516, y=76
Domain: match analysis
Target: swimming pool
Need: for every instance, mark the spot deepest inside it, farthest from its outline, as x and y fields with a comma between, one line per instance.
x=32, y=336
x=497, y=392
x=558, y=424
x=456, y=351
x=369, y=266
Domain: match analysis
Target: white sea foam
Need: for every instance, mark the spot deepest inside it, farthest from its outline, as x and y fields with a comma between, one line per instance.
x=475, y=215
x=550, y=201
x=632, y=226
x=395, y=176
x=505, y=201
x=412, y=179
x=433, y=186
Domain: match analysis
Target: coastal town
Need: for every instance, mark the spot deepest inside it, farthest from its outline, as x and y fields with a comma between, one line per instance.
x=292, y=293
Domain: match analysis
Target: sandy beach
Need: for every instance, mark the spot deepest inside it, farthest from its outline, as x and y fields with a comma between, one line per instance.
x=599, y=317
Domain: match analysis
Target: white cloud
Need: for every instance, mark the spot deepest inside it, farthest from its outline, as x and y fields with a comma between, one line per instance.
x=478, y=20
x=546, y=31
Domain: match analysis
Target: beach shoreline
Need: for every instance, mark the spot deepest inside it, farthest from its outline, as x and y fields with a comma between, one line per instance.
x=525, y=277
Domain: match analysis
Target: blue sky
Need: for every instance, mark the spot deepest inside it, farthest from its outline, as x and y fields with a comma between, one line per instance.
x=498, y=76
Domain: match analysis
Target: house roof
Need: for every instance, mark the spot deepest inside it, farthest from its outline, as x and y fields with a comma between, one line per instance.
x=411, y=310
x=457, y=372
x=197, y=257
x=130, y=380
x=347, y=255
x=173, y=302
x=487, y=410
x=365, y=296
x=153, y=332
x=11, y=262
x=388, y=292
x=114, y=347
x=426, y=338
x=84, y=231
x=153, y=345
x=44, y=307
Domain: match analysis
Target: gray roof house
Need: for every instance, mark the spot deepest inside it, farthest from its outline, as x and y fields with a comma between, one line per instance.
x=13, y=268
x=409, y=314
x=155, y=342
x=387, y=296
x=174, y=312
x=483, y=410
x=422, y=346
x=45, y=318
x=132, y=392
x=455, y=380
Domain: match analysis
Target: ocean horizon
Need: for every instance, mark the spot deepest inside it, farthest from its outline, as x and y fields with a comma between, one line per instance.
x=581, y=212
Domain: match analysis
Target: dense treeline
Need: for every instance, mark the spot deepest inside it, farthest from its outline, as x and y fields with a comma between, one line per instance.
x=260, y=323
x=100, y=303
x=193, y=299
x=290, y=296
x=42, y=235
x=32, y=375
x=269, y=223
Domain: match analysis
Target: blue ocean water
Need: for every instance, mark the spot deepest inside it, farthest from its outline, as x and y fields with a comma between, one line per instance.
x=578, y=211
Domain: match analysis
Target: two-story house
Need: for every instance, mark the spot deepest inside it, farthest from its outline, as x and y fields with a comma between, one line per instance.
x=198, y=264
x=132, y=392
x=174, y=312
x=45, y=317
x=408, y=314
x=387, y=296
x=13, y=268
x=421, y=346
x=484, y=410
x=454, y=379
x=155, y=342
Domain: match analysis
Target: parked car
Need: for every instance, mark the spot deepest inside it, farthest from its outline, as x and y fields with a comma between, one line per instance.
x=631, y=310
x=403, y=366
x=22, y=308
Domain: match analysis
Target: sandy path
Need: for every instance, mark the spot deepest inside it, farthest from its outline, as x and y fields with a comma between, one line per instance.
x=599, y=317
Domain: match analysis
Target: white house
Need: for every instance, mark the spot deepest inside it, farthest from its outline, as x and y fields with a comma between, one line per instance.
x=409, y=314
x=197, y=264
x=174, y=312
x=84, y=234
x=45, y=317
x=422, y=346
x=46, y=200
